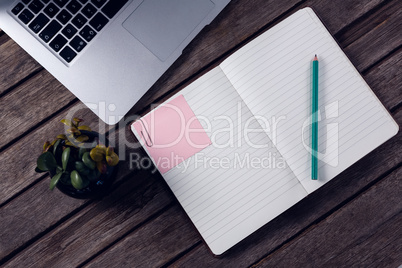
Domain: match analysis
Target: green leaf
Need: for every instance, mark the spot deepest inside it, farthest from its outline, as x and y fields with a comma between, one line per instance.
x=64, y=157
x=86, y=158
x=82, y=138
x=77, y=181
x=67, y=122
x=46, y=162
x=112, y=160
x=81, y=152
x=74, y=131
x=46, y=145
x=97, y=154
x=68, y=143
x=59, y=169
x=55, y=180
x=55, y=146
x=84, y=128
x=82, y=168
x=61, y=137
x=77, y=120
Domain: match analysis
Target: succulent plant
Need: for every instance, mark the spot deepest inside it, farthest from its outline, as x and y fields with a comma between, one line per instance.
x=71, y=161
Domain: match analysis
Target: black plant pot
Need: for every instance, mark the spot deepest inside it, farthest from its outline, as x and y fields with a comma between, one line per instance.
x=97, y=188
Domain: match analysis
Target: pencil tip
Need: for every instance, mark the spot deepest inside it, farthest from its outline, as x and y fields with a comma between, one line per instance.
x=315, y=58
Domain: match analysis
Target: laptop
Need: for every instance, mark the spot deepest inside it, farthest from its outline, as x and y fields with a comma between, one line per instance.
x=106, y=52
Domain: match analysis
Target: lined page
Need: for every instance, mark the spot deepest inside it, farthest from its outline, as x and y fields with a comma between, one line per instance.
x=245, y=179
x=232, y=187
x=272, y=75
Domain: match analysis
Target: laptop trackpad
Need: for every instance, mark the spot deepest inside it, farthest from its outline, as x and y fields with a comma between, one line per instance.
x=162, y=25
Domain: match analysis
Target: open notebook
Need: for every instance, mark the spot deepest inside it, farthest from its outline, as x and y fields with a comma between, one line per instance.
x=233, y=146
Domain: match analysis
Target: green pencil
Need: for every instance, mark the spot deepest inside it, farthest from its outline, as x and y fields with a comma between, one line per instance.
x=314, y=117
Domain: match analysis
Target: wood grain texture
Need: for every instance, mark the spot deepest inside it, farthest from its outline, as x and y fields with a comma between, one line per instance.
x=347, y=231
x=369, y=21
x=131, y=226
x=337, y=17
x=15, y=63
x=19, y=160
x=79, y=248
x=25, y=176
x=365, y=51
x=46, y=214
x=382, y=248
x=31, y=214
x=385, y=78
x=44, y=96
x=152, y=245
x=98, y=225
x=118, y=211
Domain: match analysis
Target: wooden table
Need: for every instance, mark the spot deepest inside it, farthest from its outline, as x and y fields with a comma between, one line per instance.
x=354, y=220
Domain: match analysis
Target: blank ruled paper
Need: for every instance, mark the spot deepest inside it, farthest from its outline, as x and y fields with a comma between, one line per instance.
x=229, y=200
x=245, y=179
x=272, y=75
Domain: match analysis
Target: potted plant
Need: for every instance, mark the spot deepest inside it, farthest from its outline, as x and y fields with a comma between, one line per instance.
x=80, y=163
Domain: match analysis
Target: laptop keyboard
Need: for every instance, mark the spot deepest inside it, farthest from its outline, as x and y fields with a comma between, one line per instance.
x=66, y=26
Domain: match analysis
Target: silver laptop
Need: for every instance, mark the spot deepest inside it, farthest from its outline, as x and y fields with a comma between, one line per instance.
x=107, y=52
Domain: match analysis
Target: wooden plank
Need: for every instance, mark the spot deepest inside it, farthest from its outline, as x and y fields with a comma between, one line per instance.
x=23, y=173
x=255, y=25
x=18, y=165
x=385, y=78
x=364, y=25
x=44, y=96
x=50, y=208
x=338, y=16
x=100, y=224
x=31, y=214
x=17, y=214
x=382, y=248
x=47, y=224
x=152, y=245
x=294, y=220
x=19, y=174
x=338, y=240
x=15, y=63
x=364, y=52
x=26, y=173
x=118, y=216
